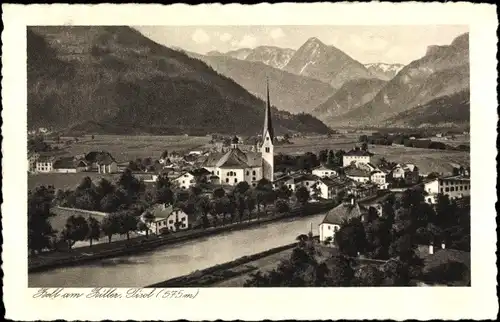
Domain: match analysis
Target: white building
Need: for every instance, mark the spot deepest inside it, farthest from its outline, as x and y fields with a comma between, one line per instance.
x=356, y=156
x=237, y=166
x=454, y=187
x=45, y=164
x=169, y=218
x=323, y=171
x=295, y=181
x=330, y=187
x=378, y=177
x=186, y=180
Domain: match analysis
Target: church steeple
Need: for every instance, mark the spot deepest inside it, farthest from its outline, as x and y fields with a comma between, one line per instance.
x=268, y=122
x=267, y=148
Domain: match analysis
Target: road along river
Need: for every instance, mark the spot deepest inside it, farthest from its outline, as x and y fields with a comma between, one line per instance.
x=170, y=261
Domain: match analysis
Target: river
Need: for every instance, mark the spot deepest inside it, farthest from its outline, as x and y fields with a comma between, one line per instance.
x=170, y=261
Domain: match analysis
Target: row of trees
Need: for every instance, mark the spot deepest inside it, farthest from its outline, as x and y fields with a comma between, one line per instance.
x=128, y=199
x=305, y=268
x=393, y=237
x=308, y=160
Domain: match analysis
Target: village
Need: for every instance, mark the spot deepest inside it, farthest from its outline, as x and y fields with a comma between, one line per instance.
x=231, y=185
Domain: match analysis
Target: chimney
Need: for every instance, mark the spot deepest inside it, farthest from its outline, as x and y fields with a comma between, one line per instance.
x=431, y=249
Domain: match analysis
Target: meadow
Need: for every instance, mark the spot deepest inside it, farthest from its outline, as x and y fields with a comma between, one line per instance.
x=125, y=148
x=65, y=180
x=441, y=161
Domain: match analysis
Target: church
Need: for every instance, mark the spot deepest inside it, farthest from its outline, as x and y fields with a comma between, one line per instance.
x=236, y=166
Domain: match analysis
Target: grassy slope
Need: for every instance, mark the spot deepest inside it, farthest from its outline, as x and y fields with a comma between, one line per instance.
x=115, y=80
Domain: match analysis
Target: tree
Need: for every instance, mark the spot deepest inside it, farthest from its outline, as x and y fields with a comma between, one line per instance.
x=94, y=230
x=448, y=272
x=242, y=187
x=148, y=218
x=164, y=154
x=339, y=272
x=364, y=146
x=110, y=226
x=302, y=195
x=241, y=205
x=284, y=192
x=76, y=229
x=131, y=185
x=164, y=195
x=203, y=205
x=316, y=191
x=351, y=238
x=396, y=273
x=218, y=193
x=110, y=202
x=93, y=137
x=368, y=275
x=104, y=188
x=281, y=206
x=127, y=223
x=40, y=230
x=323, y=156
x=251, y=203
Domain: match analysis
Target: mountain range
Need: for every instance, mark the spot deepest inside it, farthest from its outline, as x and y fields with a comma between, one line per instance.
x=384, y=71
x=113, y=79
x=375, y=94
x=442, y=72
x=290, y=92
x=352, y=94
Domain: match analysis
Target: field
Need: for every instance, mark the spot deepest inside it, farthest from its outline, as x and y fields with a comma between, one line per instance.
x=441, y=161
x=457, y=140
x=126, y=148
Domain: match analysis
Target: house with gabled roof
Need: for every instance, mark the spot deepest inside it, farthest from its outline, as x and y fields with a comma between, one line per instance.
x=45, y=163
x=330, y=187
x=357, y=174
x=334, y=219
x=324, y=171
x=355, y=156
x=101, y=161
x=169, y=218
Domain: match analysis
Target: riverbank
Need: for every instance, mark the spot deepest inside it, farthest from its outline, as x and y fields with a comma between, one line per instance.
x=225, y=271
x=83, y=255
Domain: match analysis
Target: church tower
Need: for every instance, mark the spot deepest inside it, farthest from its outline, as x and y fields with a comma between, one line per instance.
x=267, y=148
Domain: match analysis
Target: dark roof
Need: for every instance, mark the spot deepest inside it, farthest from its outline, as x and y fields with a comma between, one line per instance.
x=359, y=153
x=334, y=182
x=101, y=157
x=341, y=212
x=355, y=172
x=46, y=158
x=234, y=158
x=161, y=210
x=306, y=177
x=68, y=163
x=324, y=167
x=200, y=172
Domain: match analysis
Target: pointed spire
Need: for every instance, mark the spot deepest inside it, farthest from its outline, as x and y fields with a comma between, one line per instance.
x=268, y=123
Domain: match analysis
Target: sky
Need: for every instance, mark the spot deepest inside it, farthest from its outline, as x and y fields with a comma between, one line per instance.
x=367, y=44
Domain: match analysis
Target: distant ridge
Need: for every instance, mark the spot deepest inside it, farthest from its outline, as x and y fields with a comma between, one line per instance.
x=115, y=79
